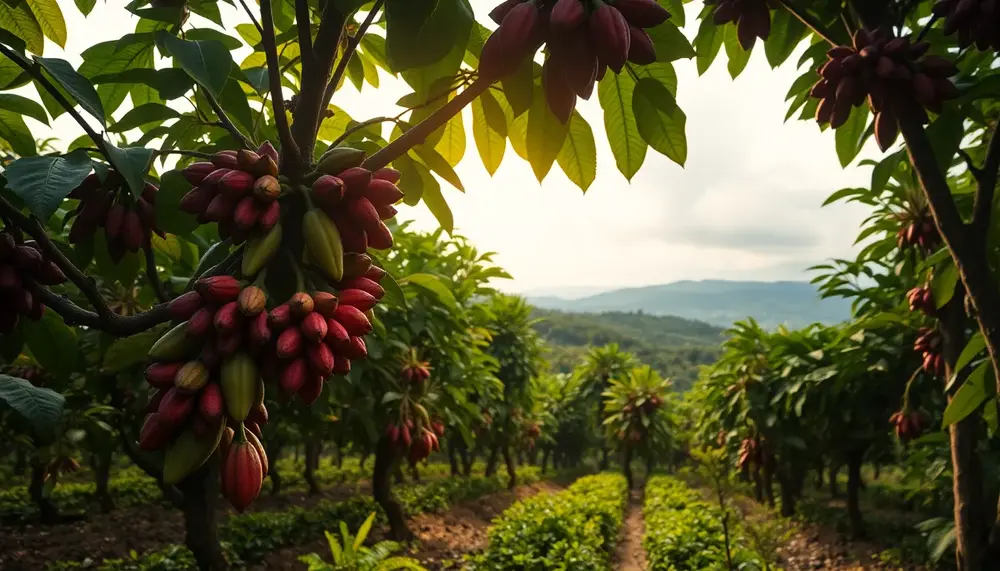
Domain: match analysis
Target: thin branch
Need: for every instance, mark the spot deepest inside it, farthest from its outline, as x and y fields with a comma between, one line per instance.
x=927, y=27
x=422, y=130
x=152, y=274
x=817, y=28
x=227, y=123
x=160, y=152
x=114, y=324
x=35, y=71
x=361, y=126
x=970, y=164
x=987, y=178
x=252, y=18
x=288, y=146
x=303, y=22
x=352, y=46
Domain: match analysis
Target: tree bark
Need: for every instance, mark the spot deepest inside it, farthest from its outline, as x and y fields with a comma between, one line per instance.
x=47, y=511
x=832, y=480
x=463, y=453
x=453, y=466
x=627, y=465
x=855, y=458
x=758, y=483
x=491, y=461
x=397, y=473
x=508, y=459
x=767, y=478
x=386, y=462
x=545, y=460
x=415, y=473
x=201, y=524
x=819, y=476
x=971, y=526
x=102, y=477
x=786, y=488
x=312, y=462
x=273, y=451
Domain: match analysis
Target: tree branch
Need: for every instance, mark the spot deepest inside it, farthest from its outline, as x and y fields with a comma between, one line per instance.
x=815, y=25
x=968, y=250
x=352, y=46
x=289, y=149
x=422, y=130
x=303, y=22
x=252, y=18
x=35, y=72
x=153, y=275
x=361, y=126
x=987, y=179
x=226, y=122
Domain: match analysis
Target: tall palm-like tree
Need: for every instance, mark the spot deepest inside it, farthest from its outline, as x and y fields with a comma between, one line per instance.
x=601, y=365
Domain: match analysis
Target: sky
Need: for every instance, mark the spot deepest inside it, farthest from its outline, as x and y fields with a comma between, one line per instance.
x=746, y=206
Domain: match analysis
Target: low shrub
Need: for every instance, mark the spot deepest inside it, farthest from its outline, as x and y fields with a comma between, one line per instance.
x=574, y=529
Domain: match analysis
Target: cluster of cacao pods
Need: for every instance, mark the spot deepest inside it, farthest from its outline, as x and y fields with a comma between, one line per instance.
x=908, y=425
x=20, y=265
x=751, y=452
x=918, y=231
x=928, y=344
x=652, y=404
x=584, y=39
x=205, y=377
x=237, y=189
x=752, y=18
x=921, y=298
x=351, y=205
x=975, y=21
x=415, y=372
x=128, y=222
x=897, y=77
x=415, y=439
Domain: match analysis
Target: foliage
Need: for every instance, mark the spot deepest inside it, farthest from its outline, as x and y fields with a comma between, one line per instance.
x=574, y=528
x=353, y=555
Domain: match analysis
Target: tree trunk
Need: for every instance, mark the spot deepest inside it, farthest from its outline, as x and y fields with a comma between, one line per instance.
x=767, y=478
x=819, y=476
x=415, y=473
x=102, y=476
x=201, y=524
x=273, y=451
x=467, y=459
x=454, y=468
x=627, y=465
x=603, y=464
x=491, y=462
x=508, y=459
x=386, y=462
x=758, y=483
x=545, y=460
x=397, y=473
x=855, y=458
x=47, y=511
x=312, y=462
x=786, y=487
x=832, y=480
x=971, y=527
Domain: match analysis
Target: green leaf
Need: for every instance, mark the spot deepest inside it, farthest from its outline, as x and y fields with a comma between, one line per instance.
x=628, y=147
x=52, y=343
x=394, y=296
x=844, y=193
x=491, y=142
x=250, y=35
x=130, y=351
x=414, y=176
x=850, y=135
x=882, y=172
x=545, y=137
x=451, y=145
x=670, y=43
x=124, y=272
x=659, y=120
x=43, y=182
x=207, y=61
x=209, y=11
x=132, y=163
x=578, y=156
x=50, y=20
x=786, y=34
x=943, y=284
x=439, y=165
x=42, y=408
x=85, y=6
x=170, y=83
x=21, y=22
x=144, y=115
x=945, y=134
x=436, y=203
x=230, y=42
x=75, y=84
x=969, y=397
x=738, y=57
x=169, y=216
x=519, y=87
x=237, y=106
x=132, y=51
x=975, y=346
x=433, y=285
x=422, y=32
x=707, y=44
x=16, y=133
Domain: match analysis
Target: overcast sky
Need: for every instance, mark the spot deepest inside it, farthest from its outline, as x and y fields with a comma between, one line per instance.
x=746, y=206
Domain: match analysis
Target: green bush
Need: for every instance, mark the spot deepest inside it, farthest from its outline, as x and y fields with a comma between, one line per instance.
x=130, y=487
x=574, y=529
x=685, y=533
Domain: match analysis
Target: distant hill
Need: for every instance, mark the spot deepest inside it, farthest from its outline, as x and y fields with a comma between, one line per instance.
x=718, y=302
x=672, y=345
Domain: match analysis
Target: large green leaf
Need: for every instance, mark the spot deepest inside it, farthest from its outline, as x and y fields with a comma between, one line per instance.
x=85, y=6
x=41, y=407
x=170, y=83
x=75, y=84
x=132, y=163
x=670, y=43
x=16, y=133
x=851, y=134
x=491, y=142
x=43, y=182
x=519, y=87
x=412, y=181
x=969, y=397
x=210, y=34
x=627, y=145
x=132, y=51
x=738, y=57
x=52, y=343
x=144, y=115
x=436, y=203
x=421, y=32
x=659, y=119
x=451, y=145
x=17, y=18
x=50, y=20
x=545, y=136
x=23, y=106
x=578, y=156
x=169, y=216
x=943, y=284
x=786, y=34
x=435, y=286
x=439, y=165
x=235, y=102
x=975, y=346
x=130, y=351
x=207, y=61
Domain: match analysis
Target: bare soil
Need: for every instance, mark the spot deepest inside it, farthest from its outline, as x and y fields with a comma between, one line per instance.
x=630, y=555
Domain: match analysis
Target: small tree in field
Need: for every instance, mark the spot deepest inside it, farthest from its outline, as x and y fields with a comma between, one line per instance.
x=635, y=417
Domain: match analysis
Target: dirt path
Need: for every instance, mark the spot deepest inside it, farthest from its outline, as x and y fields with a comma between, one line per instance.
x=630, y=555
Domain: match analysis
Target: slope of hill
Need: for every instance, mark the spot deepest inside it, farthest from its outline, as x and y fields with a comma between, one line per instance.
x=672, y=345
x=718, y=302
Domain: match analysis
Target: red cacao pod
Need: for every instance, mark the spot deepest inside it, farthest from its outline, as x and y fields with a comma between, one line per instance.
x=358, y=298
x=324, y=303
x=289, y=343
x=294, y=376
x=387, y=174
x=610, y=34
x=353, y=320
x=280, y=317
x=321, y=359
x=259, y=330
x=313, y=327
x=161, y=375
x=156, y=433
x=175, y=406
x=243, y=475
x=183, y=307
x=210, y=402
x=252, y=301
x=218, y=289
x=228, y=319
x=383, y=192
x=336, y=334
x=246, y=213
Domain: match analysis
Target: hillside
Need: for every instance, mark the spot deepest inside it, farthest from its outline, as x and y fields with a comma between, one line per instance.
x=718, y=302
x=673, y=345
